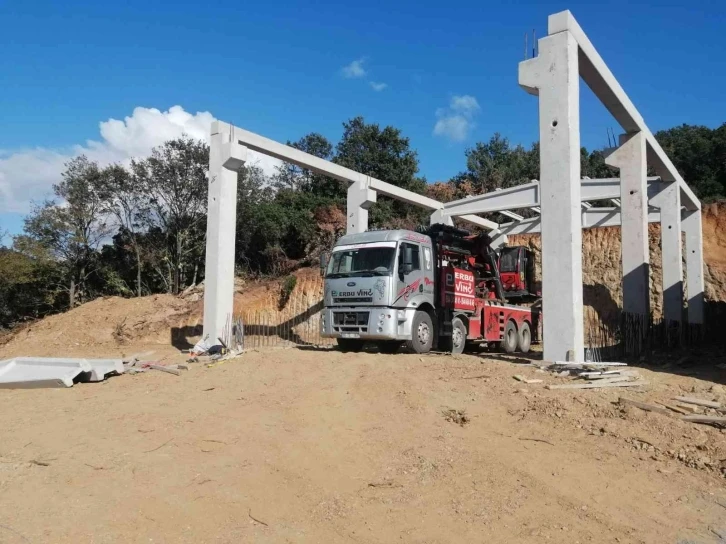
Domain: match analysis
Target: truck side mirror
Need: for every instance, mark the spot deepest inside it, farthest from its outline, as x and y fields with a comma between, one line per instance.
x=407, y=260
x=324, y=257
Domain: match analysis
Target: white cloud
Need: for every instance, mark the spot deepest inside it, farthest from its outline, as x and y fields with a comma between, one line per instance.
x=465, y=104
x=28, y=174
x=457, y=121
x=355, y=69
x=378, y=86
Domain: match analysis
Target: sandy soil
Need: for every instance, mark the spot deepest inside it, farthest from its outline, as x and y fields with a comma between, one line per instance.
x=292, y=445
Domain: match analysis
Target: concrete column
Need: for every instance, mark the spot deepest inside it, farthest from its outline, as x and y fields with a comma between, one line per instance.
x=554, y=77
x=691, y=224
x=669, y=201
x=439, y=217
x=225, y=159
x=360, y=198
x=630, y=158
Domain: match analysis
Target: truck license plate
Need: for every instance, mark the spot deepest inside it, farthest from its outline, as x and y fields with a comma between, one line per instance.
x=350, y=335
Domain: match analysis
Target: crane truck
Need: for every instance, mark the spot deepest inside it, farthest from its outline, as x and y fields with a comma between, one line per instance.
x=439, y=288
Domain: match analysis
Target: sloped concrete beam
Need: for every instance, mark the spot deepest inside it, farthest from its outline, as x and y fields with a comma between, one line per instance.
x=630, y=158
x=605, y=86
x=691, y=224
x=226, y=157
x=554, y=77
x=321, y=166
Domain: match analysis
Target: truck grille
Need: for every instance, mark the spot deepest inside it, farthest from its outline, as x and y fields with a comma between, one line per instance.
x=350, y=321
x=352, y=301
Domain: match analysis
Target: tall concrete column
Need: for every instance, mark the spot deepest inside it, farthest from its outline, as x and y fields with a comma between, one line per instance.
x=691, y=224
x=226, y=157
x=554, y=77
x=360, y=198
x=669, y=201
x=630, y=158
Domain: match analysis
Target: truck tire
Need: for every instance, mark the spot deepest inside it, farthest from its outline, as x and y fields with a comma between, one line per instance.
x=458, y=336
x=509, y=342
x=525, y=338
x=350, y=344
x=389, y=346
x=422, y=333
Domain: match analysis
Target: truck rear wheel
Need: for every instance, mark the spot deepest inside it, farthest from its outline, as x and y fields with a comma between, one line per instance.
x=350, y=344
x=458, y=336
x=389, y=346
x=509, y=342
x=525, y=338
x=422, y=333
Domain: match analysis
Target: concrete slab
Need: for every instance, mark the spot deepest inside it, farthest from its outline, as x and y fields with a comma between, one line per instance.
x=38, y=372
x=31, y=373
x=100, y=368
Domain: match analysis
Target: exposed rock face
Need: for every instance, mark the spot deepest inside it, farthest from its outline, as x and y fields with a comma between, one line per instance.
x=602, y=275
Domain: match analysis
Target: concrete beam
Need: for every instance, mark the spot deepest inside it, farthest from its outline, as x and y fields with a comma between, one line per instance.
x=691, y=224
x=226, y=156
x=553, y=76
x=630, y=158
x=591, y=219
x=671, y=251
x=321, y=166
x=601, y=80
x=527, y=195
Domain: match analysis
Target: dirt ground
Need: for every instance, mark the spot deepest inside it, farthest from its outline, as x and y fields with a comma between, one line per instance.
x=304, y=445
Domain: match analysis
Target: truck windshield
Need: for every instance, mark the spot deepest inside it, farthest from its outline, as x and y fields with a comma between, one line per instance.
x=364, y=261
x=508, y=259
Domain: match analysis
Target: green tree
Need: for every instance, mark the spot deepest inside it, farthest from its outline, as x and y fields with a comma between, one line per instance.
x=699, y=154
x=73, y=228
x=125, y=200
x=174, y=180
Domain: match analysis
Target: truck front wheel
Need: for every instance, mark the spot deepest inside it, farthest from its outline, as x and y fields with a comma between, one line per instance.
x=350, y=344
x=422, y=333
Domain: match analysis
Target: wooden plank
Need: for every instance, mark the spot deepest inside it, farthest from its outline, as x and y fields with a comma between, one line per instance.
x=596, y=385
x=566, y=363
x=644, y=406
x=163, y=368
x=611, y=374
x=615, y=379
x=698, y=402
x=675, y=408
x=521, y=378
x=705, y=419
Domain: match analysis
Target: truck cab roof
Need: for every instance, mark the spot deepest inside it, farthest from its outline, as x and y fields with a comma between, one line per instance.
x=372, y=236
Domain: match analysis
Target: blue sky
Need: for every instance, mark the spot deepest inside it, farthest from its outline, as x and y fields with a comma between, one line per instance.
x=277, y=68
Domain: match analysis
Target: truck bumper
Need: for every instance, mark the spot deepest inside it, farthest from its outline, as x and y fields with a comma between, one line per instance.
x=367, y=323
